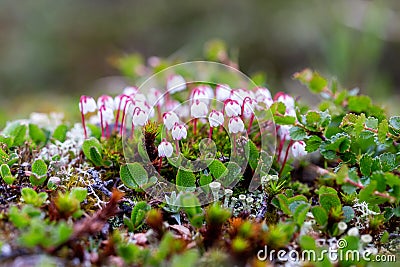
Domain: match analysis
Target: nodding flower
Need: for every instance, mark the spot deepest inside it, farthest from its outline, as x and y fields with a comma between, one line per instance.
x=139, y=117
x=86, y=104
x=179, y=132
x=203, y=93
x=232, y=108
x=298, y=149
x=198, y=109
x=285, y=99
x=106, y=116
x=165, y=149
x=248, y=107
x=106, y=100
x=222, y=92
x=240, y=94
x=175, y=83
x=216, y=118
x=263, y=95
x=130, y=90
x=235, y=125
x=169, y=119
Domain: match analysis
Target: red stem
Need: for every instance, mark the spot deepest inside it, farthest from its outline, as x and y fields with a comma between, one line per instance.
x=177, y=147
x=101, y=122
x=250, y=124
x=210, y=133
x=83, y=121
x=286, y=157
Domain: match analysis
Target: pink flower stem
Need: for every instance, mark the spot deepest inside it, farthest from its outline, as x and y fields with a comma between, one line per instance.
x=108, y=130
x=118, y=114
x=101, y=122
x=177, y=147
x=286, y=157
x=250, y=123
x=83, y=121
x=210, y=133
x=194, y=126
x=123, y=117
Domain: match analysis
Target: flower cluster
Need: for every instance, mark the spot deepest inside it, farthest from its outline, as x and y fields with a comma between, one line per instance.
x=218, y=107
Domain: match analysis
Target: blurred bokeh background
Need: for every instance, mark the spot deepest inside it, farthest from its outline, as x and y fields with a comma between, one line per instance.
x=53, y=51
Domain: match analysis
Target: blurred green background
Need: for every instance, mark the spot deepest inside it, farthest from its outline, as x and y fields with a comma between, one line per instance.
x=53, y=51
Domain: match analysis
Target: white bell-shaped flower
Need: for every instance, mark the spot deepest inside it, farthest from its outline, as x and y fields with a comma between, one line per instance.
x=175, y=83
x=165, y=149
x=203, y=93
x=87, y=104
x=216, y=118
x=298, y=149
x=222, y=92
x=286, y=99
x=170, y=119
x=198, y=109
x=232, y=108
x=235, y=125
x=139, y=117
x=155, y=97
x=106, y=115
x=179, y=132
x=106, y=100
x=130, y=90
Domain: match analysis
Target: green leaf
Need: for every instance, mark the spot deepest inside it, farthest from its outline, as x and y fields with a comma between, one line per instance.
x=126, y=177
x=307, y=242
x=301, y=212
x=284, y=204
x=139, y=213
x=320, y=215
x=5, y=170
x=217, y=169
x=60, y=133
x=39, y=167
x=359, y=103
x=29, y=195
x=138, y=173
x=394, y=122
x=205, y=180
x=372, y=123
x=383, y=129
x=79, y=193
x=297, y=133
x=348, y=213
x=312, y=143
x=329, y=201
x=284, y=120
x=253, y=154
x=366, y=164
x=17, y=132
x=37, y=135
x=388, y=161
x=91, y=142
x=185, y=179
x=317, y=83
x=313, y=119
x=278, y=108
x=95, y=156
